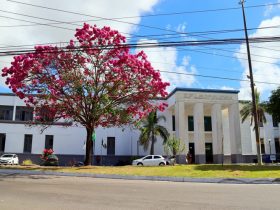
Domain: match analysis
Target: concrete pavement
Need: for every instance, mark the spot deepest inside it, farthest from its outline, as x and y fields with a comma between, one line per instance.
x=60, y=192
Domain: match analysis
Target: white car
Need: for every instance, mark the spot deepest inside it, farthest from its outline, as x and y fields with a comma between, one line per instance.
x=9, y=159
x=150, y=160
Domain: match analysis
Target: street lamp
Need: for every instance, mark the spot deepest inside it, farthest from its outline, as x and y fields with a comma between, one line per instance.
x=269, y=140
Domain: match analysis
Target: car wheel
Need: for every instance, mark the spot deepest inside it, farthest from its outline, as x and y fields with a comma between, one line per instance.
x=161, y=164
x=140, y=164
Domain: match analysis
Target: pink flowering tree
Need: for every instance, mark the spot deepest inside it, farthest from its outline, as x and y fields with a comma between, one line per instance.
x=94, y=82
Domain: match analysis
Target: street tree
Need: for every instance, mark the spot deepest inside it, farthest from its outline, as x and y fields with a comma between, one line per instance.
x=248, y=111
x=150, y=129
x=95, y=81
x=174, y=146
x=273, y=105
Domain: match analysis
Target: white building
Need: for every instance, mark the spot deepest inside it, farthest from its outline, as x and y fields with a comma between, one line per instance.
x=207, y=121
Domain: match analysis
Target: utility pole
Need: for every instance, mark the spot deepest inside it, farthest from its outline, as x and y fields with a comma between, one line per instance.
x=255, y=111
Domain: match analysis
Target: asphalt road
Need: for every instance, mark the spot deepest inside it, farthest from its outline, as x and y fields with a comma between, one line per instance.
x=53, y=192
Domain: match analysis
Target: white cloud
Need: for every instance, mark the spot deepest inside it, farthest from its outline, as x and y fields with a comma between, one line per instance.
x=227, y=88
x=182, y=27
x=43, y=34
x=267, y=69
x=269, y=9
x=165, y=59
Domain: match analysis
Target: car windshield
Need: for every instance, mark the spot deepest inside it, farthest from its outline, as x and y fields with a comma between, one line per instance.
x=5, y=156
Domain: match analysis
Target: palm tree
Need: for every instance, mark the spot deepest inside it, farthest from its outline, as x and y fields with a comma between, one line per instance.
x=151, y=129
x=247, y=111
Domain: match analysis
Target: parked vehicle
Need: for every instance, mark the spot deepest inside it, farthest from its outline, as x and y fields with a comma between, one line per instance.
x=150, y=160
x=170, y=160
x=9, y=159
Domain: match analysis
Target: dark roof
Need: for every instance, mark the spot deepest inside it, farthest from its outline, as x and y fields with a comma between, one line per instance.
x=174, y=91
x=7, y=94
x=202, y=90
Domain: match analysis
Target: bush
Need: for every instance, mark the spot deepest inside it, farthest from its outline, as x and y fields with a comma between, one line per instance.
x=27, y=162
x=46, y=153
x=48, y=158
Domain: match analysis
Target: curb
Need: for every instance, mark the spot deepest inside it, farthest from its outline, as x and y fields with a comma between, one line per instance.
x=12, y=172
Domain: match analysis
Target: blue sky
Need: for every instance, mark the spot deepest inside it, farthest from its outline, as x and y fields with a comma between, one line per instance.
x=208, y=61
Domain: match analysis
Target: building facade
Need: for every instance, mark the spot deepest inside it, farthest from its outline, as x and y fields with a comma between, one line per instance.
x=206, y=121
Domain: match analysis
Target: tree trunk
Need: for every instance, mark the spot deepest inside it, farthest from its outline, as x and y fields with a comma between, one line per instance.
x=89, y=147
x=152, y=144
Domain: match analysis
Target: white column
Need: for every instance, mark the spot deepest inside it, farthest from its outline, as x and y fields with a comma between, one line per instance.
x=180, y=127
x=217, y=132
x=268, y=132
x=14, y=113
x=235, y=133
x=199, y=137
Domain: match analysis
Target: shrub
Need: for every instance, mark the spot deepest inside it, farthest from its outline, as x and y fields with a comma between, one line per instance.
x=52, y=160
x=48, y=158
x=46, y=153
x=27, y=162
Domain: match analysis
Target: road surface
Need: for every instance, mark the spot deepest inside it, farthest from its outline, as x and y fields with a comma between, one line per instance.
x=57, y=192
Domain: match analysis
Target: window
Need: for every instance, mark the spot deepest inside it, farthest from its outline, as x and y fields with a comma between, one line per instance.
x=2, y=142
x=277, y=145
x=6, y=112
x=190, y=123
x=45, y=115
x=173, y=123
x=24, y=113
x=275, y=122
x=49, y=142
x=157, y=157
x=110, y=145
x=207, y=123
x=148, y=157
x=27, y=143
x=262, y=146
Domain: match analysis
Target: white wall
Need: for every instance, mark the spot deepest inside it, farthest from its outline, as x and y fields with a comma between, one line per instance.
x=71, y=140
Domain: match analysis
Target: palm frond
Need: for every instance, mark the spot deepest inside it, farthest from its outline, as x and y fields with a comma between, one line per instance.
x=162, y=132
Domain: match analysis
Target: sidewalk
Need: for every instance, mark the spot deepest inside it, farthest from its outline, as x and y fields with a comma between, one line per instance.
x=10, y=172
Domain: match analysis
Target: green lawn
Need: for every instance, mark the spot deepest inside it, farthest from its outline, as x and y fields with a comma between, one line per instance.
x=214, y=171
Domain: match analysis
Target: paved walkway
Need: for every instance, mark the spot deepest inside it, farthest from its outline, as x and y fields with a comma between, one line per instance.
x=152, y=178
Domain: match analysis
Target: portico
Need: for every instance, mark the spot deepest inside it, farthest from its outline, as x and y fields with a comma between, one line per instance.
x=208, y=123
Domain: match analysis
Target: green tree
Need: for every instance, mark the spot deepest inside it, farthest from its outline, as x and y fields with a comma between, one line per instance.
x=247, y=111
x=273, y=105
x=150, y=129
x=174, y=146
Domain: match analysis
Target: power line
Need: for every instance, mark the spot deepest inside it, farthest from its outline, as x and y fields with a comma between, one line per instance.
x=46, y=24
x=151, y=15
x=225, y=50
x=217, y=77
x=165, y=44
x=176, y=43
x=120, y=21
x=222, y=31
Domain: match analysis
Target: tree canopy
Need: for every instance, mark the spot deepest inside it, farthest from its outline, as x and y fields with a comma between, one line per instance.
x=150, y=129
x=273, y=105
x=247, y=110
x=95, y=81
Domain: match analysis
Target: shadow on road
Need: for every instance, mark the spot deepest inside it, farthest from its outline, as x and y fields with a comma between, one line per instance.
x=4, y=177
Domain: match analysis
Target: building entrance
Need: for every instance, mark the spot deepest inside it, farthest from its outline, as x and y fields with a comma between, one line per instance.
x=191, y=158
x=209, y=152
